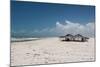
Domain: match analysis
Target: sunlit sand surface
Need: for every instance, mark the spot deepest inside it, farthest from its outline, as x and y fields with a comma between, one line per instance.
x=51, y=50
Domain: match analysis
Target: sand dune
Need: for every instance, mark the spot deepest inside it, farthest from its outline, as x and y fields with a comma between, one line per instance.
x=51, y=50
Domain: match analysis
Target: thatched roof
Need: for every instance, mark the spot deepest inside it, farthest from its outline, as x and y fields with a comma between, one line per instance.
x=68, y=35
x=78, y=35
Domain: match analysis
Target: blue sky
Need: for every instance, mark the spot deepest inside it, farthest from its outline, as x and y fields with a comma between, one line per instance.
x=32, y=17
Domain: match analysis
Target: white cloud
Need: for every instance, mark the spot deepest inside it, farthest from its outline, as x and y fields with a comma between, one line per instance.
x=69, y=28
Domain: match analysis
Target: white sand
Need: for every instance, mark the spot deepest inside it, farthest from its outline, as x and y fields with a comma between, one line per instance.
x=51, y=50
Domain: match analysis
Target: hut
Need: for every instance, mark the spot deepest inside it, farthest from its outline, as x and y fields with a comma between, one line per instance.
x=77, y=37
x=81, y=38
x=68, y=37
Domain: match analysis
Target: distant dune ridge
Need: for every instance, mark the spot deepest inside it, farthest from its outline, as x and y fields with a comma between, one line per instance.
x=51, y=50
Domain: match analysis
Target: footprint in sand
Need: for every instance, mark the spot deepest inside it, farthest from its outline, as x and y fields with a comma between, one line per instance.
x=27, y=54
x=36, y=55
x=34, y=50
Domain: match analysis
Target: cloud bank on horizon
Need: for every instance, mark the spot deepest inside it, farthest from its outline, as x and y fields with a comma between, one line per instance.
x=68, y=28
x=62, y=29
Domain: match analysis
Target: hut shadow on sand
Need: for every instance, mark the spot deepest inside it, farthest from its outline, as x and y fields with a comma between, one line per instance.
x=74, y=38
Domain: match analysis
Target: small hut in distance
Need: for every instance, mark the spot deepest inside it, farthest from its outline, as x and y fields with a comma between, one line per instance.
x=69, y=37
x=77, y=37
x=81, y=38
